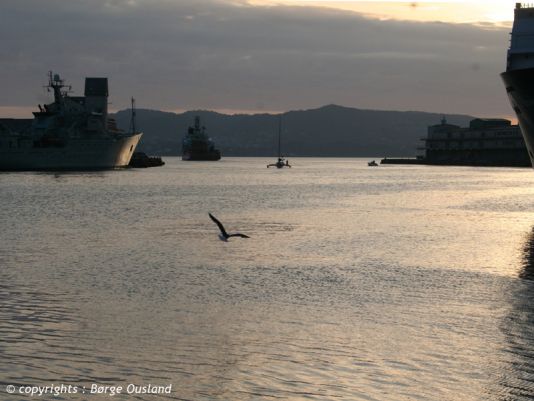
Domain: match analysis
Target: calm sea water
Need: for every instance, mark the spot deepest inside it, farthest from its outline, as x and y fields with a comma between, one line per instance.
x=358, y=283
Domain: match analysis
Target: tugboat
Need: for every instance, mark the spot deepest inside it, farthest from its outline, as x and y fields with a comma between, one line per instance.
x=196, y=144
x=141, y=159
x=281, y=162
x=72, y=133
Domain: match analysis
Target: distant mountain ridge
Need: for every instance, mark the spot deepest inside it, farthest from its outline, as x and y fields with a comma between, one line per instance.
x=326, y=131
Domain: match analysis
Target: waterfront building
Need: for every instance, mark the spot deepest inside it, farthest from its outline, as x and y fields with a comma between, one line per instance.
x=486, y=142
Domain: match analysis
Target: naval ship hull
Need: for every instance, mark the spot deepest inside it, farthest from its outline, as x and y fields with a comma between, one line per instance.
x=77, y=154
x=520, y=88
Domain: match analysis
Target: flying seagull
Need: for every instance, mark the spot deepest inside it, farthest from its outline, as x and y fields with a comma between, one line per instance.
x=224, y=235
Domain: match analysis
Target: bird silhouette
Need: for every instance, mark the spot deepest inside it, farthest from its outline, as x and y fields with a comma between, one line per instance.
x=224, y=235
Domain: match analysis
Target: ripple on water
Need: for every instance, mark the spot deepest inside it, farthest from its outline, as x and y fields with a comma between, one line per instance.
x=358, y=284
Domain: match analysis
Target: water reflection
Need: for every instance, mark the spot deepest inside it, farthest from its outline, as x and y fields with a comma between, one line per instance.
x=72, y=173
x=384, y=294
x=34, y=328
x=517, y=375
x=527, y=268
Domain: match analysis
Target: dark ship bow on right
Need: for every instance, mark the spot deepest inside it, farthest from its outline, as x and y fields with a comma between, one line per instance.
x=519, y=75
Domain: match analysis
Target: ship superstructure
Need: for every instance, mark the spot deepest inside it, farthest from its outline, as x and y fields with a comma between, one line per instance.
x=71, y=133
x=197, y=145
x=519, y=75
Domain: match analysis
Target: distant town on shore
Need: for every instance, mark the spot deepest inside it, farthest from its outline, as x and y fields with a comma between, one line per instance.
x=328, y=131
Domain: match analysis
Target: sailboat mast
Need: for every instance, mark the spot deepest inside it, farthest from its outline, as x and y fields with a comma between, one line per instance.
x=279, y=135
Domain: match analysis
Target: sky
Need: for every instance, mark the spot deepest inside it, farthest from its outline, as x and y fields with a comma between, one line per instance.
x=239, y=56
x=499, y=12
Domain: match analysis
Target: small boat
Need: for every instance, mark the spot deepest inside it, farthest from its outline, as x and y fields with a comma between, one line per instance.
x=372, y=163
x=281, y=162
x=142, y=160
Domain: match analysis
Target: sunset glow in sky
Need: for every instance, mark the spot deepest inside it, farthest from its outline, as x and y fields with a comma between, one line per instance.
x=446, y=11
x=261, y=55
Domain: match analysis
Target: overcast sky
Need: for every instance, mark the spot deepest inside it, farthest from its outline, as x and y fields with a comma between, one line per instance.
x=240, y=56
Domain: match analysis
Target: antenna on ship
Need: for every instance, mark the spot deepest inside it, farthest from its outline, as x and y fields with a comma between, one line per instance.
x=132, y=118
x=57, y=84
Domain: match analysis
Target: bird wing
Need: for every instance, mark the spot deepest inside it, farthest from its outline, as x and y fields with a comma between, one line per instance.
x=239, y=235
x=219, y=224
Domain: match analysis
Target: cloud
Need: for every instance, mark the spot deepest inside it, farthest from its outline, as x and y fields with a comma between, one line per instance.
x=230, y=55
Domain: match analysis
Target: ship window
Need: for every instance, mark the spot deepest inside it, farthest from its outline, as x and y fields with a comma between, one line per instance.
x=131, y=148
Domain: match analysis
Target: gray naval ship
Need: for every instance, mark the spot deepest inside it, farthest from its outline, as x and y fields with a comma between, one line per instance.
x=72, y=133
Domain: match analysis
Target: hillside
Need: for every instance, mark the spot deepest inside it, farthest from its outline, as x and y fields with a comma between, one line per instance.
x=327, y=131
